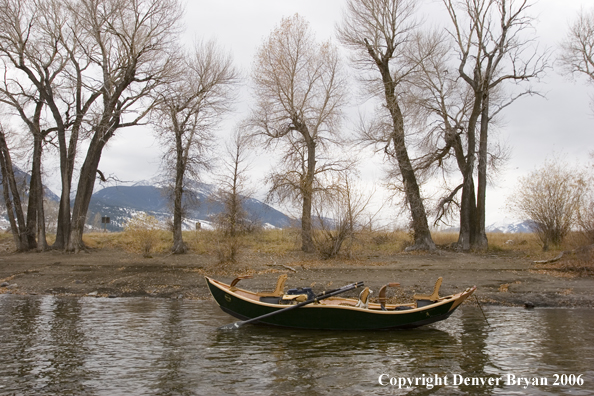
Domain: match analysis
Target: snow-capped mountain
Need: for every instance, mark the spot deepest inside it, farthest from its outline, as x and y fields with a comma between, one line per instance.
x=506, y=226
x=120, y=203
x=511, y=227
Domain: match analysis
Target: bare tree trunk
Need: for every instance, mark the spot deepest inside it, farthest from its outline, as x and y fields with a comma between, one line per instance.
x=14, y=209
x=86, y=184
x=9, y=208
x=41, y=237
x=421, y=232
x=63, y=227
x=35, y=218
x=66, y=169
x=235, y=204
x=466, y=237
x=481, y=242
x=471, y=223
x=467, y=215
x=179, y=247
x=234, y=210
x=307, y=244
x=36, y=205
x=68, y=157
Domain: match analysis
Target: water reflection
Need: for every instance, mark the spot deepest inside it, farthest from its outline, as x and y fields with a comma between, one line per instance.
x=475, y=361
x=94, y=346
x=19, y=361
x=64, y=371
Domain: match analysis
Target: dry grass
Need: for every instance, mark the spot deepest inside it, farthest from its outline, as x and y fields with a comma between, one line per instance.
x=276, y=241
x=381, y=242
x=579, y=262
x=127, y=241
x=283, y=242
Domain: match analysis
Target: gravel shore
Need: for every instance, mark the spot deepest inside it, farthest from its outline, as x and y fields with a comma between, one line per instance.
x=501, y=279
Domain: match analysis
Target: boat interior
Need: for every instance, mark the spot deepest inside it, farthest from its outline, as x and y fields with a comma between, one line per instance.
x=279, y=296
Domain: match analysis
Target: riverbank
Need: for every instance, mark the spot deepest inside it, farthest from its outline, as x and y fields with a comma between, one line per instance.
x=501, y=278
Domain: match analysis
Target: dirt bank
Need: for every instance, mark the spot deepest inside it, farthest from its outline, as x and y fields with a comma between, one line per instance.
x=501, y=279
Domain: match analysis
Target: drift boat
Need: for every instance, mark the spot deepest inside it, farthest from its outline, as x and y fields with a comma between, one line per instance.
x=302, y=309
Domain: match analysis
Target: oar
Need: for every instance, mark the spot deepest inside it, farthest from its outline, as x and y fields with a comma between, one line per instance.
x=319, y=297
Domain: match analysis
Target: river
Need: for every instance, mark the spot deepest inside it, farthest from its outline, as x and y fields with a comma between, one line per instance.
x=148, y=346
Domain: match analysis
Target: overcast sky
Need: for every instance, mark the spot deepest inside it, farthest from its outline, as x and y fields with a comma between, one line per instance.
x=534, y=128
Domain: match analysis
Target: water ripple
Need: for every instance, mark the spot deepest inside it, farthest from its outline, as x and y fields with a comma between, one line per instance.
x=97, y=346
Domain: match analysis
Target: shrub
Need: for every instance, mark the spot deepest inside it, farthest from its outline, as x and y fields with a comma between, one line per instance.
x=143, y=232
x=586, y=218
x=551, y=197
x=228, y=248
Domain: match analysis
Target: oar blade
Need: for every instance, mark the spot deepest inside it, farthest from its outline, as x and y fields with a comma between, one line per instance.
x=231, y=326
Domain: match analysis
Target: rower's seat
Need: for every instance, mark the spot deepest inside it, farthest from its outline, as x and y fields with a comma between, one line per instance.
x=280, y=286
x=382, y=294
x=235, y=281
x=364, y=298
x=433, y=296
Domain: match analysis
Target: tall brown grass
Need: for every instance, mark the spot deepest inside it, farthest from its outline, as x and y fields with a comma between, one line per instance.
x=286, y=241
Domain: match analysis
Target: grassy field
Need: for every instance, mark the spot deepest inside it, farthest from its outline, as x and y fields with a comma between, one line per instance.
x=284, y=241
x=577, y=259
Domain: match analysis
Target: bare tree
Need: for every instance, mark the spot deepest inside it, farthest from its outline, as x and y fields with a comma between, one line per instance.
x=299, y=89
x=492, y=48
x=34, y=63
x=44, y=42
x=440, y=103
x=232, y=185
x=91, y=64
x=379, y=33
x=551, y=197
x=189, y=107
x=577, y=49
x=128, y=45
x=233, y=192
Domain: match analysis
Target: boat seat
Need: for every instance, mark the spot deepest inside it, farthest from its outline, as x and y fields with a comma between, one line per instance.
x=431, y=297
x=295, y=298
x=364, y=298
x=280, y=286
x=236, y=280
x=382, y=294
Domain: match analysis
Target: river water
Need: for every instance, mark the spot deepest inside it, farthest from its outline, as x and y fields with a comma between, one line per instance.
x=134, y=346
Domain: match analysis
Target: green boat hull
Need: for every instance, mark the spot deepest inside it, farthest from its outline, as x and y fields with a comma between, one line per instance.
x=331, y=317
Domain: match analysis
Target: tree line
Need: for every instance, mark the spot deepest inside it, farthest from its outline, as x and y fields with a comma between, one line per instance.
x=76, y=72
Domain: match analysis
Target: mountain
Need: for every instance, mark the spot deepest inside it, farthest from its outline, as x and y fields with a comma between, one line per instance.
x=505, y=226
x=24, y=179
x=121, y=203
x=517, y=227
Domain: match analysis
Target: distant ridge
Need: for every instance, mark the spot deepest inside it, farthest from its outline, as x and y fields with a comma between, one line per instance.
x=506, y=227
x=121, y=203
x=517, y=227
x=23, y=178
